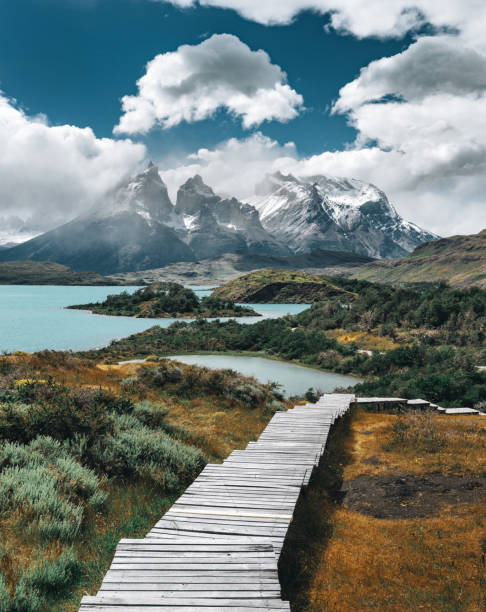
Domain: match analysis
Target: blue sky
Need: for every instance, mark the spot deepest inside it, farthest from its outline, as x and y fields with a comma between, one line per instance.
x=74, y=60
x=392, y=93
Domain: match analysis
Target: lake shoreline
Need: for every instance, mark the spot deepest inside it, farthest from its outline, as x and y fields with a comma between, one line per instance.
x=258, y=354
x=294, y=378
x=36, y=318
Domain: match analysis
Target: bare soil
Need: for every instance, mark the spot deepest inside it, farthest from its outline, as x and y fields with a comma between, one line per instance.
x=408, y=496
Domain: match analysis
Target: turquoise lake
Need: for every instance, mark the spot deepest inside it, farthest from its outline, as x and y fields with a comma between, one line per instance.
x=33, y=318
x=294, y=379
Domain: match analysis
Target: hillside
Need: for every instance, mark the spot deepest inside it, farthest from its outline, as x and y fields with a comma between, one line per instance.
x=278, y=286
x=47, y=273
x=458, y=260
x=165, y=300
x=101, y=454
x=229, y=266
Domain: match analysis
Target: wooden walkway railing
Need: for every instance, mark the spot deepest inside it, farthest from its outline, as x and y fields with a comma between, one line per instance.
x=218, y=547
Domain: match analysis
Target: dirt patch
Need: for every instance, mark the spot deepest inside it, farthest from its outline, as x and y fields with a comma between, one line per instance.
x=373, y=461
x=409, y=496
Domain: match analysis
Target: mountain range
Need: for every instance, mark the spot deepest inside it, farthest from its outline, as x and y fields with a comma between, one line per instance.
x=137, y=227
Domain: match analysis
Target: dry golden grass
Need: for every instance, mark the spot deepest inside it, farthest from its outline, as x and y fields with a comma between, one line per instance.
x=394, y=565
x=364, y=340
x=361, y=563
x=435, y=442
x=215, y=424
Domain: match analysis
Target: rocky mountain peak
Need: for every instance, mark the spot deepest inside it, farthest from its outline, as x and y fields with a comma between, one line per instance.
x=334, y=212
x=194, y=195
x=145, y=195
x=137, y=226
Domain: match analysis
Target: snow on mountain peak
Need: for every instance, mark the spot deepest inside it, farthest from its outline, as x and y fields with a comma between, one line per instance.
x=145, y=195
x=334, y=212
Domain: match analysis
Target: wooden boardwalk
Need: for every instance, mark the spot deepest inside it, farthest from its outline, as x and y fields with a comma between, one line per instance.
x=218, y=547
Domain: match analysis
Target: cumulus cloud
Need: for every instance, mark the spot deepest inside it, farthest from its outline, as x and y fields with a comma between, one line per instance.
x=380, y=18
x=193, y=82
x=234, y=167
x=443, y=202
x=431, y=65
x=49, y=174
x=425, y=112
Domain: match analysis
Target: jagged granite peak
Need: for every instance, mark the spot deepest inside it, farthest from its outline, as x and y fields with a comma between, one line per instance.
x=136, y=227
x=228, y=222
x=145, y=195
x=193, y=195
x=334, y=213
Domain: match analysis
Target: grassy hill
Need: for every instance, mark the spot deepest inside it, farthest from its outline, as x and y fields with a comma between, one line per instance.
x=47, y=273
x=278, y=286
x=458, y=260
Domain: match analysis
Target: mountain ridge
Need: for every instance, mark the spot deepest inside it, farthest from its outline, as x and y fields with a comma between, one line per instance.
x=311, y=211
x=458, y=260
x=137, y=227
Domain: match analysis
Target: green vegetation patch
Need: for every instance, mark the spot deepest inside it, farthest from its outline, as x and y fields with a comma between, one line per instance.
x=168, y=300
x=279, y=286
x=47, y=273
x=459, y=260
x=440, y=332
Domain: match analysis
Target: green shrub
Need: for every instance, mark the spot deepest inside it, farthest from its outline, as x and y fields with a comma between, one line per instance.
x=52, y=488
x=247, y=393
x=145, y=453
x=53, y=577
x=151, y=414
x=26, y=597
x=36, y=586
x=61, y=419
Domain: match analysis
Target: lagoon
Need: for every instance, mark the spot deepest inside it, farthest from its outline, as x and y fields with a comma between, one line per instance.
x=34, y=317
x=294, y=379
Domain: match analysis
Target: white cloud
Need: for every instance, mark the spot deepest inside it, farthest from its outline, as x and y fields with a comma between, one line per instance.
x=381, y=18
x=425, y=112
x=431, y=65
x=446, y=203
x=193, y=82
x=49, y=174
x=234, y=167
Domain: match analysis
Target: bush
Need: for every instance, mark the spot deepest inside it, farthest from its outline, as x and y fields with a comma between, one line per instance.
x=36, y=586
x=55, y=576
x=59, y=412
x=51, y=488
x=145, y=453
x=151, y=414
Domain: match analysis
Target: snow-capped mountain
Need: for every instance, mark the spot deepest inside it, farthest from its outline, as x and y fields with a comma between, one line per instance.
x=137, y=227
x=334, y=213
x=216, y=225
x=145, y=195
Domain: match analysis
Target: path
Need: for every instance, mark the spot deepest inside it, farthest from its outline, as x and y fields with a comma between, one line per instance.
x=218, y=546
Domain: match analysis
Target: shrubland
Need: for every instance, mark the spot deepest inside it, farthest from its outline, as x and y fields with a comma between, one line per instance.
x=421, y=342
x=89, y=455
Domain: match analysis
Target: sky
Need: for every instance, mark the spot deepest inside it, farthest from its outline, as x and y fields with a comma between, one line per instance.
x=393, y=93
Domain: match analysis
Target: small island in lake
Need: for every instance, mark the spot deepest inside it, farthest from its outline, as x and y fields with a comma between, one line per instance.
x=166, y=300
